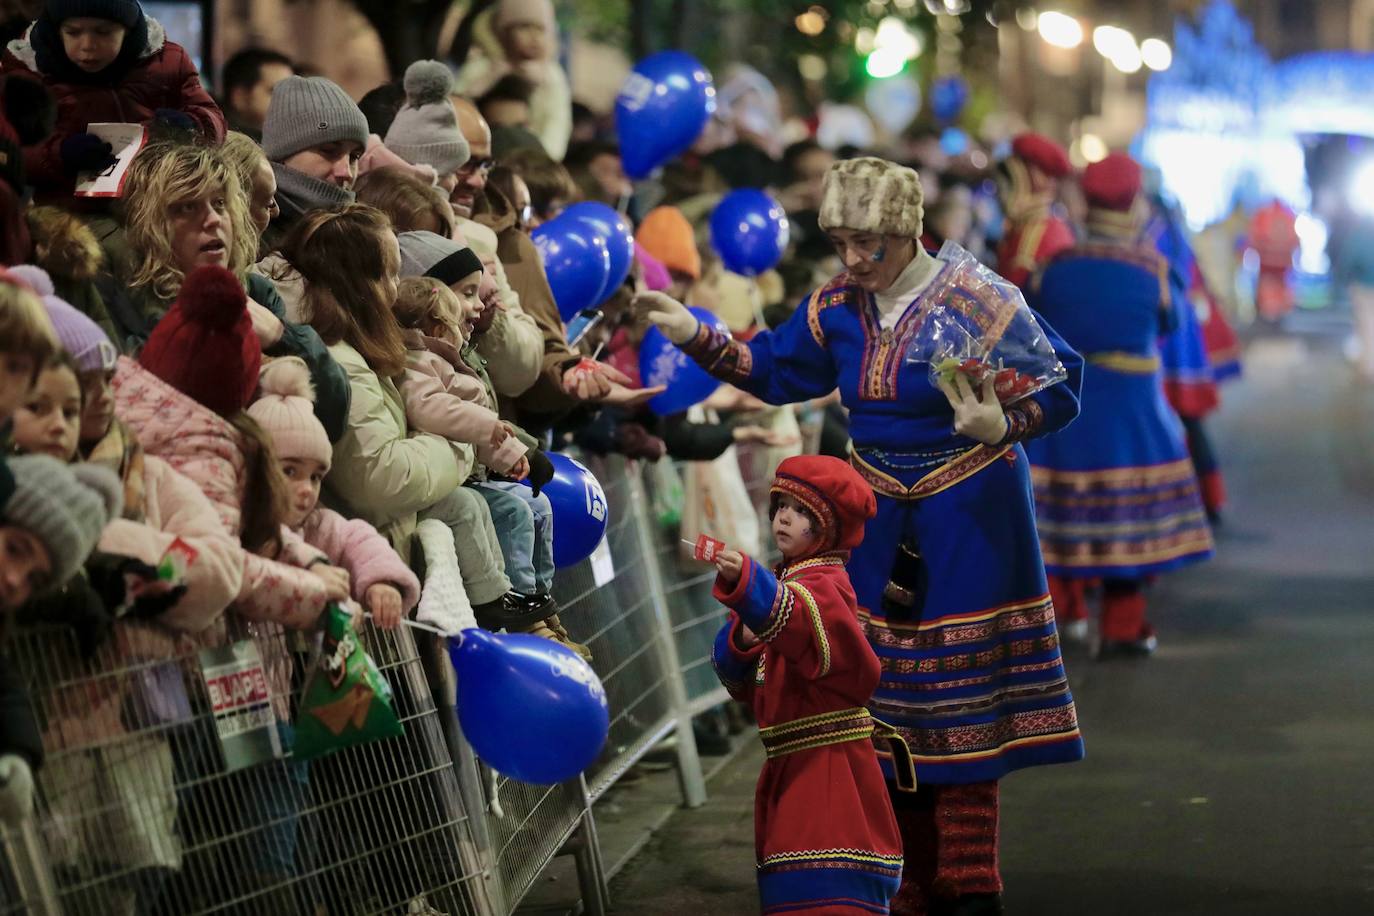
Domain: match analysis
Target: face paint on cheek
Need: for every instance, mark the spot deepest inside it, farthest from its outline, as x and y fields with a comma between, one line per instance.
x=880, y=253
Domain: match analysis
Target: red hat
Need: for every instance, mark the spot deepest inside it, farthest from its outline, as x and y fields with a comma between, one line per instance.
x=1113, y=183
x=1043, y=153
x=205, y=346
x=833, y=492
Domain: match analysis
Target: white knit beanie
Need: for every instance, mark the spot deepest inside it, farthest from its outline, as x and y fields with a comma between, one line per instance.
x=285, y=409
x=872, y=195
x=425, y=131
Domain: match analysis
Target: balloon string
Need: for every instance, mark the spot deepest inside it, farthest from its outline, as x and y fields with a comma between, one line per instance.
x=599, y=347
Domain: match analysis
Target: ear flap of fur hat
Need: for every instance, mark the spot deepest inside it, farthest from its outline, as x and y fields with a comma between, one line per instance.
x=872, y=195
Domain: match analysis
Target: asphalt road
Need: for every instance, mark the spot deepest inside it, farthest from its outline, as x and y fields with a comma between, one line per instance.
x=1230, y=775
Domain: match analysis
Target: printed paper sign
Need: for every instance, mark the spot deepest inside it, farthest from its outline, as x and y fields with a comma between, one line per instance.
x=241, y=703
x=707, y=548
x=176, y=561
x=127, y=140
x=603, y=567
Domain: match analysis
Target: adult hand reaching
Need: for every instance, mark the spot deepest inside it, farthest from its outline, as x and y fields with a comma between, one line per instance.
x=668, y=315
x=978, y=415
x=621, y=396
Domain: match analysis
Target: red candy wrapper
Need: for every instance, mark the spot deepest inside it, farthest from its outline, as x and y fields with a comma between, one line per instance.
x=707, y=548
x=979, y=325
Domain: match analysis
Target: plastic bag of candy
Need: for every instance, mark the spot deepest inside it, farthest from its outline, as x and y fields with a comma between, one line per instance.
x=347, y=701
x=978, y=325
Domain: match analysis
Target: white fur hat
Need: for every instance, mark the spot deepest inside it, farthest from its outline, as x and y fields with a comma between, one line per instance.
x=872, y=195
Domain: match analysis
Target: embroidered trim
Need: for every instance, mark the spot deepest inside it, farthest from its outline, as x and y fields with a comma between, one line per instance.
x=988, y=739
x=863, y=856
x=942, y=478
x=838, y=727
x=778, y=616
x=1023, y=421
x=817, y=624
x=1132, y=363
x=838, y=291
x=1029, y=244
x=720, y=354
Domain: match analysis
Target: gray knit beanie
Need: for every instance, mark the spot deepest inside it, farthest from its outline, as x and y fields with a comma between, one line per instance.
x=425, y=131
x=309, y=111
x=64, y=506
x=428, y=254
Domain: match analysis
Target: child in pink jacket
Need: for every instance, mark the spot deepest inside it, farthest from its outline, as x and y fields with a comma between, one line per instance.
x=380, y=581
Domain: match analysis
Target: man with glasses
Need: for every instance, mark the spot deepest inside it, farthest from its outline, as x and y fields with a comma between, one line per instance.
x=565, y=380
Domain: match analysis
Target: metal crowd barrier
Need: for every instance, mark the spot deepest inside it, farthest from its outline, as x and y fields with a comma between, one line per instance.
x=137, y=812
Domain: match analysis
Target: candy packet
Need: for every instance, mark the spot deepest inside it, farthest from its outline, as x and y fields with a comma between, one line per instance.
x=346, y=701
x=979, y=325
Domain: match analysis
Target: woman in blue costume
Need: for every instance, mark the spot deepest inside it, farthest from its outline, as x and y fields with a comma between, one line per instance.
x=1116, y=493
x=950, y=585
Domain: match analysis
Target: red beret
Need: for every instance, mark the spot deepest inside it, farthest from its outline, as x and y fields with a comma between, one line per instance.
x=205, y=346
x=833, y=492
x=1043, y=153
x=1113, y=183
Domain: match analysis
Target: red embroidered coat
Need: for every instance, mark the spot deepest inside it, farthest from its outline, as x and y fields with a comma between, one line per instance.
x=1030, y=244
x=824, y=831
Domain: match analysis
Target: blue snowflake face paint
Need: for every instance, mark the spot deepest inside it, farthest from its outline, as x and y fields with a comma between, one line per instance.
x=880, y=253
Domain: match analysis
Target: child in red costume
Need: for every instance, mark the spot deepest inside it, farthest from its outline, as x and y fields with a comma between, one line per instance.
x=825, y=836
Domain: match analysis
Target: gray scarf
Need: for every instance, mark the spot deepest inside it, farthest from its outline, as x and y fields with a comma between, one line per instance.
x=298, y=194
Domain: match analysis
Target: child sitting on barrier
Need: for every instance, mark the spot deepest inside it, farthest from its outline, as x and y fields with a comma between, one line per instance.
x=380, y=581
x=448, y=393
x=826, y=839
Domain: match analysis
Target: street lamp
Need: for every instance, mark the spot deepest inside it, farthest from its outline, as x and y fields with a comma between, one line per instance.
x=1060, y=30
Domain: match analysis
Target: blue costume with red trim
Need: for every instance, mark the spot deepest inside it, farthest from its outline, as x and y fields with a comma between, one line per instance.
x=972, y=676
x=1115, y=493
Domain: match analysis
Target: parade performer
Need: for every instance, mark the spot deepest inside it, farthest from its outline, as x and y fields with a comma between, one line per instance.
x=1274, y=236
x=1115, y=492
x=793, y=649
x=1026, y=184
x=1190, y=377
x=971, y=672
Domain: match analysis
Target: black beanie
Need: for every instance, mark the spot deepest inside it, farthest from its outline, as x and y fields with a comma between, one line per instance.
x=125, y=12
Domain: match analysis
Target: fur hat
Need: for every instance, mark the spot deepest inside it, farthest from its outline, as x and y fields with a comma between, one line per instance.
x=872, y=195
x=205, y=346
x=834, y=493
x=78, y=334
x=425, y=130
x=1113, y=183
x=64, y=506
x=285, y=408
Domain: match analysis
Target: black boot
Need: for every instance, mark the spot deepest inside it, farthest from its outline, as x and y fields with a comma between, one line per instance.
x=969, y=905
x=512, y=612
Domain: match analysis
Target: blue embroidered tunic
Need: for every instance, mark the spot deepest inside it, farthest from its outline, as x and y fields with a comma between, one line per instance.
x=971, y=670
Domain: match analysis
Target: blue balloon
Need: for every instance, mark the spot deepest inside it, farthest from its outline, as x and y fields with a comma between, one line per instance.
x=953, y=141
x=948, y=96
x=749, y=231
x=580, y=510
x=532, y=709
x=662, y=108
x=663, y=363
x=576, y=262
x=612, y=227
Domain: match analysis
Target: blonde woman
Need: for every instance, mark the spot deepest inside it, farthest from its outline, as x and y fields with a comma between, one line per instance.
x=255, y=177
x=186, y=208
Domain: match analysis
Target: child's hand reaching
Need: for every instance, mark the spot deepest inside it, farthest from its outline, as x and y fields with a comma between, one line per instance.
x=745, y=637
x=335, y=579
x=384, y=603
x=500, y=434
x=730, y=564
x=520, y=470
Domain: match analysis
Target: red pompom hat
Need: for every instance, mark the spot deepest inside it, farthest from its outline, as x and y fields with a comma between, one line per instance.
x=205, y=346
x=833, y=492
x=1112, y=184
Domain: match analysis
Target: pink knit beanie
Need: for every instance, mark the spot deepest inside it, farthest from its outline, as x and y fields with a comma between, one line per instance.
x=285, y=409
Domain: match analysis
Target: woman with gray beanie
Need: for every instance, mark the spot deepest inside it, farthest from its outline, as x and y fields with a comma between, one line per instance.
x=51, y=517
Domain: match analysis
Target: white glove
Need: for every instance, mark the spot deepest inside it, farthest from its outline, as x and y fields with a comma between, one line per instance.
x=671, y=316
x=444, y=603
x=16, y=789
x=977, y=414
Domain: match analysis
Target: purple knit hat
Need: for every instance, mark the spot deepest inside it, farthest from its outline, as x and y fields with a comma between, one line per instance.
x=78, y=334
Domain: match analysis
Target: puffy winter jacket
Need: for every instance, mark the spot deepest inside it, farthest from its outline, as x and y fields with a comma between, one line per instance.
x=356, y=546
x=162, y=77
x=207, y=448
x=381, y=473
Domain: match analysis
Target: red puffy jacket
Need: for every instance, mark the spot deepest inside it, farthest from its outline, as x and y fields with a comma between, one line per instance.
x=164, y=77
